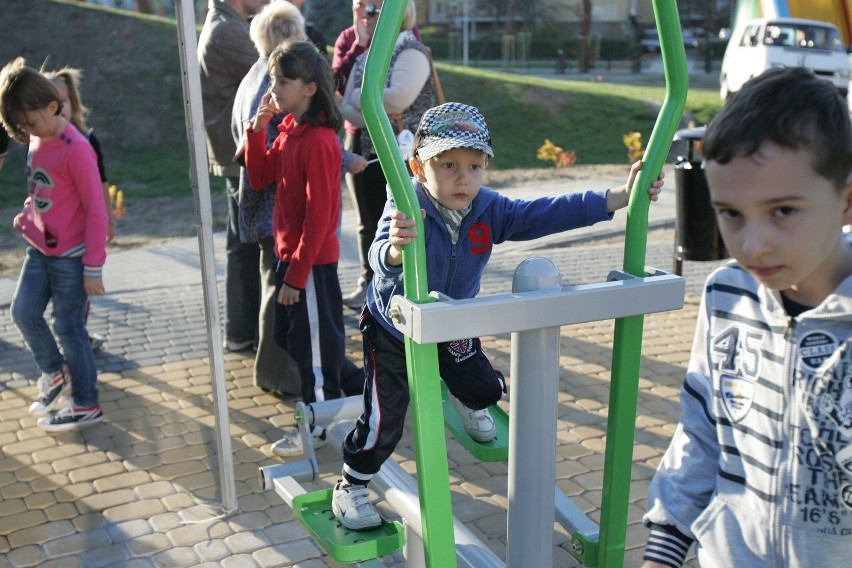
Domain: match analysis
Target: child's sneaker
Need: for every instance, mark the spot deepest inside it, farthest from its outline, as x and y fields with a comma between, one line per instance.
x=49, y=389
x=352, y=507
x=290, y=444
x=477, y=423
x=72, y=418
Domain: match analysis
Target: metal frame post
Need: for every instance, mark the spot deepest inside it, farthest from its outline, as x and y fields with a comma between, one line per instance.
x=191, y=77
x=533, y=403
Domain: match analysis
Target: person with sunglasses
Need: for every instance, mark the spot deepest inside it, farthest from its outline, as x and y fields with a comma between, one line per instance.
x=354, y=40
x=409, y=91
x=351, y=43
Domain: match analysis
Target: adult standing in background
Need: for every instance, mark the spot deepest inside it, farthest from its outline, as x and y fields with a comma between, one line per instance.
x=408, y=92
x=314, y=35
x=350, y=44
x=225, y=54
x=354, y=40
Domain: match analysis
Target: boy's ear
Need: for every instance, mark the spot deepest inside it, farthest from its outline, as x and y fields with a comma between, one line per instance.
x=846, y=194
x=417, y=169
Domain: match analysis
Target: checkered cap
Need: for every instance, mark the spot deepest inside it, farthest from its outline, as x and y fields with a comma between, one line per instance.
x=449, y=126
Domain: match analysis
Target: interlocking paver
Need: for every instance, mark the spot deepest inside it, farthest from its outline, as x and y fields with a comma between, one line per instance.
x=177, y=557
x=295, y=553
x=246, y=542
x=79, y=543
x=139, y=509
x=189, y=534
x=32, y=556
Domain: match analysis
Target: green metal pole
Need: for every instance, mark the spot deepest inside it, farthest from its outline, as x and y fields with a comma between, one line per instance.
x=430, y=446
x=627, y=348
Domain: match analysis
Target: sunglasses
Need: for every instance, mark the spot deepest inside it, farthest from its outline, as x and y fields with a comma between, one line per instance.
x=371, y=11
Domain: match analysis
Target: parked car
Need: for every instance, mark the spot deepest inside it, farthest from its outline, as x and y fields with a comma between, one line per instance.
x=762, y=43
x=650, y=40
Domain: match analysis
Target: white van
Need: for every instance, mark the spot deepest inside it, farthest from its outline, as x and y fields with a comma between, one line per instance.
x=763, y=43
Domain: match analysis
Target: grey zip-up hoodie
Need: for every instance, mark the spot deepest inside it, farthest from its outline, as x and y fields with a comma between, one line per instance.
x=759, y=472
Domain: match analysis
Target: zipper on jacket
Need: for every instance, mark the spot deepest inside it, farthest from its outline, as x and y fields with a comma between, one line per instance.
x=784, y=466
x=791, y=327
x=451, y=273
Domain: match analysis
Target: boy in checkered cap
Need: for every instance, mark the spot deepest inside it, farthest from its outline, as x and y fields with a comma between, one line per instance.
x=462, y=221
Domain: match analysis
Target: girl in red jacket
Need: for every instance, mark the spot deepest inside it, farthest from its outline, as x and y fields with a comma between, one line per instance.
x=304, y=163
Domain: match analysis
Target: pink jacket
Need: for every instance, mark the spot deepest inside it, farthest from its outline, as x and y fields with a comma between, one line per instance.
x=65, y=214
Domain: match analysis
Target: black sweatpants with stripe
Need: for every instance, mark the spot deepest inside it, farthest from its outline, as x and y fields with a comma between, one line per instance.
x=312, y=332
x=462, y=364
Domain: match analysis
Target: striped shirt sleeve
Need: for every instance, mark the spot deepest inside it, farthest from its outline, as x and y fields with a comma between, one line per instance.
x=667, y=545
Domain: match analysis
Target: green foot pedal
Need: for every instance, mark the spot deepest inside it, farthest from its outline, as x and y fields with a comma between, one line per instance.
x=313, y=510
x=495, y=450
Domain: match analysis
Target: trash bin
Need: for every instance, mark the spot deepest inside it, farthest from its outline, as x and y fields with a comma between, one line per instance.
x=696, y=233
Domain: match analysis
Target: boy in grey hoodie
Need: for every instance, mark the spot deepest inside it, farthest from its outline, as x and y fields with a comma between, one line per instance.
x=759, y=472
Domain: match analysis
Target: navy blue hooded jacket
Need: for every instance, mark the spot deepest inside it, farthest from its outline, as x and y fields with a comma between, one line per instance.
x=456, y=269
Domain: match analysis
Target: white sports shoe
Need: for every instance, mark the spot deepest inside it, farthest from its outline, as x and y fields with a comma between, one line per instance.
x=290, y=444
x=352, y=507
x=477, y=423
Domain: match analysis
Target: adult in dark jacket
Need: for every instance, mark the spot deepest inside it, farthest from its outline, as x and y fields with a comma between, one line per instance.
x=225, y=54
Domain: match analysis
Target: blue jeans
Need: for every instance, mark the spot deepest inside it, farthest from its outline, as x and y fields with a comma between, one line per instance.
x=60, y=281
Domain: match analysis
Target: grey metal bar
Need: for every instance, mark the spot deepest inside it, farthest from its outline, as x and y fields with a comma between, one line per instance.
x=532, y=434
x=300, y=470
x=288, y=488
x=573, y=519
x=330, y=411
x=191, y=76
x=413, y=552
x=505, y=313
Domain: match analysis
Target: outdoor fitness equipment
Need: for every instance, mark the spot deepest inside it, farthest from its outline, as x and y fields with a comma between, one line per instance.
x=533, y=313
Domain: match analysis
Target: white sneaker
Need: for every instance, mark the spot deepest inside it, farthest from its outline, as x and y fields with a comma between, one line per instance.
x=236, y=346
x=290, y=445
x=477, y=423
x=355, y=299
x=352, y=507
x=96, y=341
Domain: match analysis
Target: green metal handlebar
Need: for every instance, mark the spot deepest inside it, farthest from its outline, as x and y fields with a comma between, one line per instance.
x=677, y=84
x=433, y=482
x=627, y=338
x=384, y=141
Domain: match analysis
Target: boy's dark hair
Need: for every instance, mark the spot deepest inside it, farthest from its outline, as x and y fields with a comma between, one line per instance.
x=792, y=108
x=23, y=90
x=301, y=60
